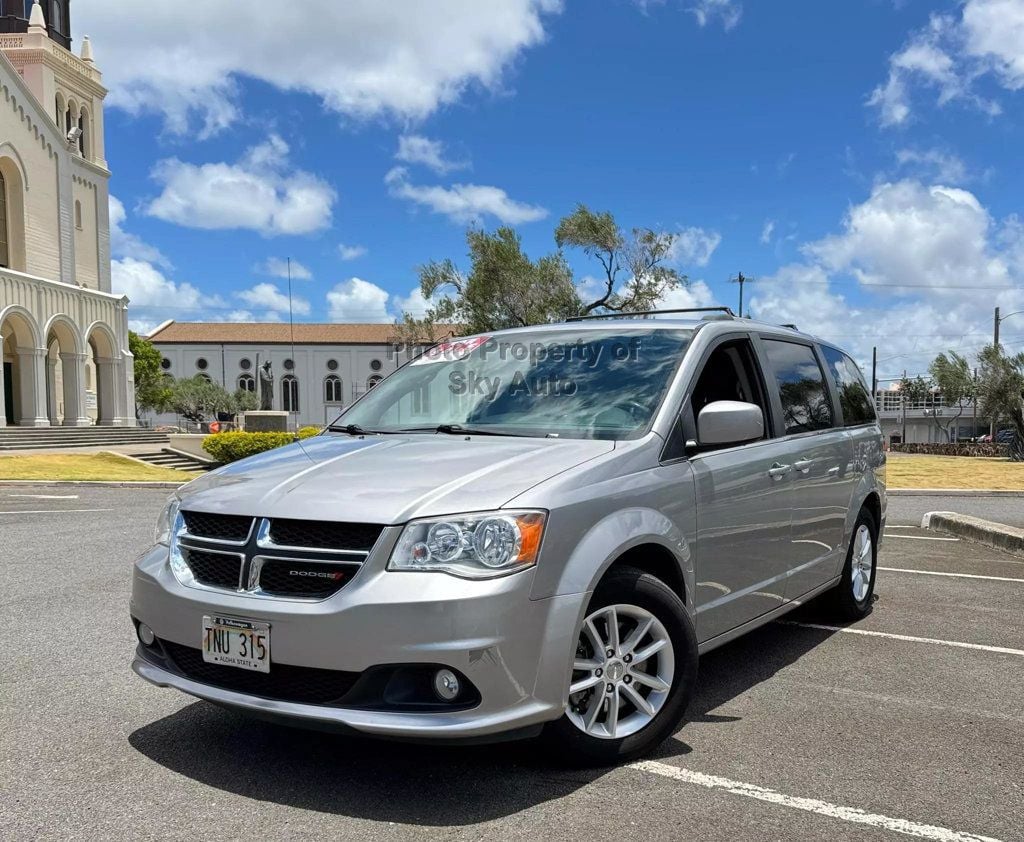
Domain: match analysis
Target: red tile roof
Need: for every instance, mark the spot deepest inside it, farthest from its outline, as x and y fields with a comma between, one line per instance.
x=276, y=333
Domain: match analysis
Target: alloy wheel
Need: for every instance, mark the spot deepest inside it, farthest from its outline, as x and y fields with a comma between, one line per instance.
x=861, y=563
x=622, y=672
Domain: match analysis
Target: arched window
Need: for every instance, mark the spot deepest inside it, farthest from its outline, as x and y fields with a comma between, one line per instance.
x=247, y=383
x=5, y=247
x=332, y=389
x=56, y=21
x=83, y=125
x=205, y=377
x=373, y=381
x=290, y=393
x=78, y=215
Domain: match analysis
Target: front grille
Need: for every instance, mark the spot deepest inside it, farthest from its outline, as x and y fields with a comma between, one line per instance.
x=217, y=570
x=324, y=535
x=284, y=682
x=294, y=578
x=218, y=527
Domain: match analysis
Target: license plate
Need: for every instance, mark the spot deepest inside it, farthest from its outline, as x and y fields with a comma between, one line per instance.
x=236, y=643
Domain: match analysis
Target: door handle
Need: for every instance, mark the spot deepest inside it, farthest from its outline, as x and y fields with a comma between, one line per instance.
x=803, y=465
x=778, y=471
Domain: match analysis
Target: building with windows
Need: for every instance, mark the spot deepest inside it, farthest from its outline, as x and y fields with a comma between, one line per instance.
x=317, y=369
x=64, y=335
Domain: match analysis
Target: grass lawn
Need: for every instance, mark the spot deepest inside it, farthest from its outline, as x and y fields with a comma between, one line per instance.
x=911, y=471
x=86, y=466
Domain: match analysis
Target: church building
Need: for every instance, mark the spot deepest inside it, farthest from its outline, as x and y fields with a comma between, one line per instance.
x=64, y=335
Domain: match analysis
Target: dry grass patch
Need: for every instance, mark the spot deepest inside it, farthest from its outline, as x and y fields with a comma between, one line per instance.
x=908, y=471
x=108, y=467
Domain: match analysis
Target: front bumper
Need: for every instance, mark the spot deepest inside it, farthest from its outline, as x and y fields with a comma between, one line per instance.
x=516, y=651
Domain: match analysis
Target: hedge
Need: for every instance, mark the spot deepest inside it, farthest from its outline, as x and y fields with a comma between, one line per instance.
x=980, y=448
x=230, y=447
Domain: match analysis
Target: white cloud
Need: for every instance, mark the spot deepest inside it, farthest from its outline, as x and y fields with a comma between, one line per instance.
x=155, y=297
x=932, y=263
x=123, y=244
x=946, y=167
x=696, y=294
x=362, y=59
x=463, y=202
x=414, y=303
x=277, y=267
x=728, y=12
x=350, y=252
x=694, y=246
x=260, y=192
x=766, y=232
x=950, y=55
x=269, y=297
x=356, y=300
x=416, y=149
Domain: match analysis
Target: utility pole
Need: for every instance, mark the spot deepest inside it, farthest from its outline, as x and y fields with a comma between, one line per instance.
x=903, y=405
x=995, y=344
x=874, y=378
x=741, y=279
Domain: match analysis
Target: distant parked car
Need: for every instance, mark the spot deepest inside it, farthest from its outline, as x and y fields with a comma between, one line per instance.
x=1006, y=436
x=985, y=439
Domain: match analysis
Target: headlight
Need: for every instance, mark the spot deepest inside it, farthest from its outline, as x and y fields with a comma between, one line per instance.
x=165, y=523
x=481, y=545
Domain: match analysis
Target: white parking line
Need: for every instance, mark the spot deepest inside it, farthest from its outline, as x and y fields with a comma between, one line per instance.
x=922, y=538
x=810, y=805
x=54, y=511
x=47, y=496
x=953, y=575
x=1002, y=650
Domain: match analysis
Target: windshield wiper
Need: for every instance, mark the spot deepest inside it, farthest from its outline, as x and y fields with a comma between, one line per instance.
x=459, y=430
x=354, y=430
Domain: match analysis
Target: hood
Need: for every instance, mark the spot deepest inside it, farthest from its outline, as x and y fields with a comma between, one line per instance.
x=386, y=479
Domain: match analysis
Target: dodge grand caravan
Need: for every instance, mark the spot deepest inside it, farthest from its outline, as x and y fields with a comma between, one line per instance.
x=530, y=532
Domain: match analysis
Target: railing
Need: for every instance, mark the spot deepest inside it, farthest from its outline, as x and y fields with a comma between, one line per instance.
x=894, y=402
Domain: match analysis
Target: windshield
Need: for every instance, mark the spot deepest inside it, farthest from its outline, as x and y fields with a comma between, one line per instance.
x=604, y=384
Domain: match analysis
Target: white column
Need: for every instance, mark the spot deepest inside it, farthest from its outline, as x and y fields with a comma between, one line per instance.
x=3, y=396
x=74, y=390
x=32, y=374
x=51, y=391
x=107, y=392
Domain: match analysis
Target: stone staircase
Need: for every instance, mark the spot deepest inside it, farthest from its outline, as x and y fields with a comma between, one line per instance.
x=41, y=438
x=167, y=458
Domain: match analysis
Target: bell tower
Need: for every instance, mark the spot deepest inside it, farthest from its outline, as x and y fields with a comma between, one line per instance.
x=35, y=36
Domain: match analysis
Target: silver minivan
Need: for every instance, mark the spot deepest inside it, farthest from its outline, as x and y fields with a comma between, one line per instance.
x=530, y=532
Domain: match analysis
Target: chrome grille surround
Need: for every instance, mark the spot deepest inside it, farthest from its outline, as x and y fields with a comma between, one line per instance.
x=259, y=550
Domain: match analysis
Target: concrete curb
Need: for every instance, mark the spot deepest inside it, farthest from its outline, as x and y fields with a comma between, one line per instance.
x=952, y=492
x=69, y=483
x=998, y=535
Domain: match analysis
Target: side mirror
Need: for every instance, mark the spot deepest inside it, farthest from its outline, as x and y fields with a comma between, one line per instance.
x=729, y=422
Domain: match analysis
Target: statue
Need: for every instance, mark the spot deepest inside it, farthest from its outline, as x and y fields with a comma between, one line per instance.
x=266, y=386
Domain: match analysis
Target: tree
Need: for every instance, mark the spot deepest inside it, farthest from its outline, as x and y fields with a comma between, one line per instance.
x=152, y=386
x=1001, y=392
x=505, y=288
x=640, y=256
x=245, y=401
x=914, y=389
x=196, y=399
x=954, y=379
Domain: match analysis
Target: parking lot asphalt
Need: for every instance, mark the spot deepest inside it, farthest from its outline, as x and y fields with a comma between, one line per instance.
x=909, y=723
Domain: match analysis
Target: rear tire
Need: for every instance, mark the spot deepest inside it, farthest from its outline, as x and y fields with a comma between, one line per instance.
x=635, y=669
x=852, y=597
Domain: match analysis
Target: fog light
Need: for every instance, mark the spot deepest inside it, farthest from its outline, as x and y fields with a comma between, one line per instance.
x=146, y=634
x=446, y=685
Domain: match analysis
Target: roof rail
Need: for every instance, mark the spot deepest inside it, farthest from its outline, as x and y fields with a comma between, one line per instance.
x=790, y=325
x=724, y=310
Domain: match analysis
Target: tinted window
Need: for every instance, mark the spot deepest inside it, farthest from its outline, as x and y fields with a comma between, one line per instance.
x=730, y=374
x=854, y=397
x=805, y=402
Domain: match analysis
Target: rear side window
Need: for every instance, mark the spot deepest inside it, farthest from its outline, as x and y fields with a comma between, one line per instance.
x=854, y=397
x=805, y=403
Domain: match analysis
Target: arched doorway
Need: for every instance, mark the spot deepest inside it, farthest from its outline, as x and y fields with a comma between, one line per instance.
x=65, y=373
x=102, y=353
x=22, y=393
x=12, y=212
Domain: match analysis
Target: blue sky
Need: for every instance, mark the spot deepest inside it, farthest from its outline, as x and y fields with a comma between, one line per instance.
x=831, y=150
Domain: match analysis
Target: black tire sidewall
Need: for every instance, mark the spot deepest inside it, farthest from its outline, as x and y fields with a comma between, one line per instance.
x=632, y=587
x=849, y=607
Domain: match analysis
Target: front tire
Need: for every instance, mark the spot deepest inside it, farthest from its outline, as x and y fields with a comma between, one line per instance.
x=852, y=597
x=634, y=671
